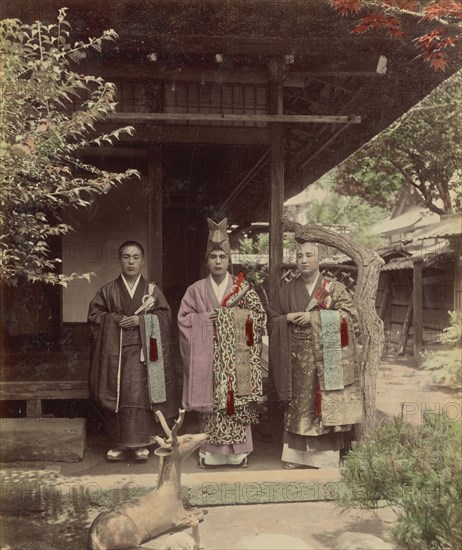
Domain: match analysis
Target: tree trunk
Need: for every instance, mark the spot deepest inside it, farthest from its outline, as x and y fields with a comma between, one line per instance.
x=369, y=265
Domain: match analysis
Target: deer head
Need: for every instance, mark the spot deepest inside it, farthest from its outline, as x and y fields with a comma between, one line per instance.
x=181, y=446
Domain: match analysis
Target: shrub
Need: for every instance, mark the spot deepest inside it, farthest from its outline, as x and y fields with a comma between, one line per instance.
x=446, y=363
x=416, y=470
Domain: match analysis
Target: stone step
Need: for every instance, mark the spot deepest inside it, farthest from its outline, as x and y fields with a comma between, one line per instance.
x=42, y=439
x=38, y=490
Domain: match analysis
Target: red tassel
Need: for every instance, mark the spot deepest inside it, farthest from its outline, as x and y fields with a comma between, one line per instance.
x=249, y=331
x=153, y=355
x=344, y=333
x=318, y=400
x=230, y=400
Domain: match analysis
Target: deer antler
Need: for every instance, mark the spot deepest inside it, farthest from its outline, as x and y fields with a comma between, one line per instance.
x=171, y=434
x=164, y=424
x=177, y=426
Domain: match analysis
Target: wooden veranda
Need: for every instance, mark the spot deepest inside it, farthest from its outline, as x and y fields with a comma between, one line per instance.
x=237, y=106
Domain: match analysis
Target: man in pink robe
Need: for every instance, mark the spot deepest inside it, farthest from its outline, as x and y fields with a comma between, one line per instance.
x=221, y=352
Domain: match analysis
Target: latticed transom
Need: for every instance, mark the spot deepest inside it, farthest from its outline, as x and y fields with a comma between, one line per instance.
x=345, y=274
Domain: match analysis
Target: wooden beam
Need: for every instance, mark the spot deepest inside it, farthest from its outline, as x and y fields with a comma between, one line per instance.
x=418, y=307
x=206, y=73
x=244, y=181
x=118, y=152
x=155, y=177
x=311, y=45
x=298, y=79
x=277, y=187
x=300, y=136
x=303, y=163
x=336, y=83
x=181, y=133
x=305, y=175
x=58, y=389
x=140, y=70
x=212, y=117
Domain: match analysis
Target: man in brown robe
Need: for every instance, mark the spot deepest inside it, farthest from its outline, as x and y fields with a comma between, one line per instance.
x=131, y=372
x=314, y=358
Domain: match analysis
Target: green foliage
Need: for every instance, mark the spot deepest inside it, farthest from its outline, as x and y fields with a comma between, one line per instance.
x=417, y=471
x=421, y=150
x=352, y=211
x=259, y=244
x=453, y=333
x=446, y=363
x=446, y=366
x=256, y=245
x=41, y=139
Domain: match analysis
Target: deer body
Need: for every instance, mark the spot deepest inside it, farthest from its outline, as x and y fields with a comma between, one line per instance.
x=130, y=524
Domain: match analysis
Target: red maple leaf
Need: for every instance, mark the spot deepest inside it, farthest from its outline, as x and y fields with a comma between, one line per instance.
x=448, y=42
x=426, y=40
x=345, y=7
x=376, y=21
x=393, y=27
x=359, y=29
x=439, y=63
x=442, y=8
x=433, y=44
x=396, y=32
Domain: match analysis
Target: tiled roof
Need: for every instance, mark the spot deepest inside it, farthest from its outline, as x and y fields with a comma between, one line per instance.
x=429, y=255
x=449, y=226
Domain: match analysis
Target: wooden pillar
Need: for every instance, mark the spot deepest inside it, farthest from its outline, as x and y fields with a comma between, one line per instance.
x=406, y=326
x=418, y=316
x=155, y=179
x=277, y=178
x=386, y=308
x=34, y=408
x=458, y=275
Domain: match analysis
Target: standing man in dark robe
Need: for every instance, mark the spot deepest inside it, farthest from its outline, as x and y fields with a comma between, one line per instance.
x=131, y=372
x=314, y=360
x=221, y=322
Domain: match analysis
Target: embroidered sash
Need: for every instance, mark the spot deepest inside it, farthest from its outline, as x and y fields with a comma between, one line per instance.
x=156, y=375
x=332, y=350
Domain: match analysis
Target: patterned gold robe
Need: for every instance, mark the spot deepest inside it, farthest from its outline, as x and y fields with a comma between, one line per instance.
x=315, y=417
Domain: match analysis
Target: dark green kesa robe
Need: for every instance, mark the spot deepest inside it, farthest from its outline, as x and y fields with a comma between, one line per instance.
x=121, y=379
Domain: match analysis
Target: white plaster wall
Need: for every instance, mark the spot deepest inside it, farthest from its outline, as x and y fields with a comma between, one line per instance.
x=119, y=216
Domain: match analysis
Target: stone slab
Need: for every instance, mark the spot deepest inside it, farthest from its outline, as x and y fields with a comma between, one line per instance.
x=246, y=487
x=271, y=541
x=42, y=439
x=24, y=490
x=37, y=490
x=353, y=540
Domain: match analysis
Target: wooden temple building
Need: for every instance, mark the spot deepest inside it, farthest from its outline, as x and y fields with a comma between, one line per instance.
x=237, y=106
